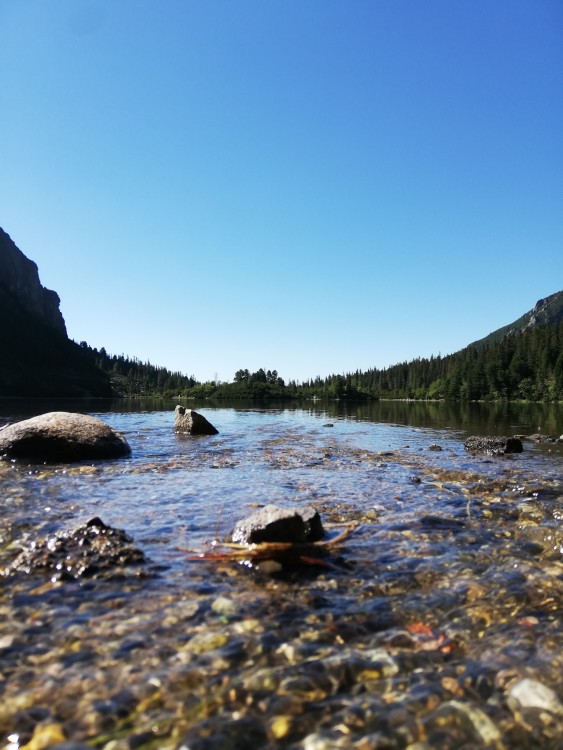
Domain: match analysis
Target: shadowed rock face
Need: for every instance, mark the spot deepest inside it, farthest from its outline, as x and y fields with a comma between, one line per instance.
x=62, y=436
x=19, y=278
x=493, y=446
x=274, y=524
x=188, y=420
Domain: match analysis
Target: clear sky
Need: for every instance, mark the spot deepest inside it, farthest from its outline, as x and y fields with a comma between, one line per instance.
x=312, y=186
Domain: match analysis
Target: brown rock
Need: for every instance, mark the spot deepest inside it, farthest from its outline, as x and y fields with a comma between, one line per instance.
x=188, y=420
x=62, y=436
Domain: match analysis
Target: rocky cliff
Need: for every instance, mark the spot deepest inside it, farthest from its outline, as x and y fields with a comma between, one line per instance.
x=36, y=356
x=19, y=283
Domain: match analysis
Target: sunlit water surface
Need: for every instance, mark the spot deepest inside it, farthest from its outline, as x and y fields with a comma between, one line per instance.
x=454, y=574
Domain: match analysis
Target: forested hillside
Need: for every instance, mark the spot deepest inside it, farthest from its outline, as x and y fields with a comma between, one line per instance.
x=131, y=377
x=526, y=365
x=523, y=365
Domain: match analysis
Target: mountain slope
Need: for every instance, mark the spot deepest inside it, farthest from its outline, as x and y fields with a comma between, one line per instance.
x=548, y=311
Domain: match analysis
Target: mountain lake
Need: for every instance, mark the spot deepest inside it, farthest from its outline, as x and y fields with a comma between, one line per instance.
x=431, y=619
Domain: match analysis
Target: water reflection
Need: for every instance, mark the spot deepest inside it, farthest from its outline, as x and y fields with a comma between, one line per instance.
x=470, y=417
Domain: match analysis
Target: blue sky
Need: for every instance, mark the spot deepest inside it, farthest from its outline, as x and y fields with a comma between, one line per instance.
x=310, y=186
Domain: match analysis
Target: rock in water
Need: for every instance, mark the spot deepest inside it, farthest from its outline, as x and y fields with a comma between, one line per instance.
x=188, y=420
x=493, y=446
x=531, y=694
x=62, y=436
x=90, y=550
x=274, y=524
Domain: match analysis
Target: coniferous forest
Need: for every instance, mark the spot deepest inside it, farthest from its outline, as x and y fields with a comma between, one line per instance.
x=526, y=365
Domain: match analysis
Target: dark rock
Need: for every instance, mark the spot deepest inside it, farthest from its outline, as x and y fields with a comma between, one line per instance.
x=19, y=278
x=38, y=359
x=274, y=524
x=493, y=446
x=62, y=436
x=90, y=550
x=434, y=447
x=188, y=420
x=221, y=734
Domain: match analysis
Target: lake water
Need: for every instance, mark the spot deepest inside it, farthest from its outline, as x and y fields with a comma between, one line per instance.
x=437, y=620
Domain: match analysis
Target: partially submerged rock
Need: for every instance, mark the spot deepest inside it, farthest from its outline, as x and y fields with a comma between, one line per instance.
x=188, y=420
x=62, y=436
x=493, y=446
x=90, y=550
x=532, y=694
x=275, y=524
x=541, y=438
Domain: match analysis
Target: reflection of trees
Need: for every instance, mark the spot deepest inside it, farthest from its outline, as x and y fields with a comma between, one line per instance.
x=492, y=418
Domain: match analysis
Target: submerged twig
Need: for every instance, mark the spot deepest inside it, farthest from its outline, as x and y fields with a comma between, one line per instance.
x=299, y=551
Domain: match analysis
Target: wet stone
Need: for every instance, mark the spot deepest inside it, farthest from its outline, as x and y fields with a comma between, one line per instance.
x=275, y=524
x=90, y=550
x=193, y=423
x=532, y=694
x=493, y=446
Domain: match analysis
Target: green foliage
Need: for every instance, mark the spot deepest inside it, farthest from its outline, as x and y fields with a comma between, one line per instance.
x=523, y=365
x=260, y=385
x=131, y=377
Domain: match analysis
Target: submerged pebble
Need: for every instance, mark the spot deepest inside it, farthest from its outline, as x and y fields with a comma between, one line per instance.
x=435, y=624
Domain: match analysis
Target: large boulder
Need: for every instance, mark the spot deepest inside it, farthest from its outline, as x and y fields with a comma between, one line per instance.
x=62, y=436
x=493, y=446
x=275, y=524
x=188, y=420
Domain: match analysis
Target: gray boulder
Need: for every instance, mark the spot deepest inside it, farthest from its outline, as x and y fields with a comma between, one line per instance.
x=62, y=436
x=493, y=446
x=188, y=420
x=274, y=524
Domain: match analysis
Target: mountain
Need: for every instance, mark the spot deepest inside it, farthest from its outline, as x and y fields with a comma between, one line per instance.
x=37, y=359
x=20, y=285
x=546, y=312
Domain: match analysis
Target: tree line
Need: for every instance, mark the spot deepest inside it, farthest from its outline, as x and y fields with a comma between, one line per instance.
x=526, y=365
x=131, y=377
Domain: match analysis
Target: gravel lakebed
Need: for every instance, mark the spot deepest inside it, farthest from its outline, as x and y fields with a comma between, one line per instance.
x=436, y=623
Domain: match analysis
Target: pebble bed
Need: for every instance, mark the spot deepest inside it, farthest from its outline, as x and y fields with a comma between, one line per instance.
x=437, y=623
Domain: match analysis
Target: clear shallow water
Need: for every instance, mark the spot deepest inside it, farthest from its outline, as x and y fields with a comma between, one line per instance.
x=173, y=485
x=453, y=554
